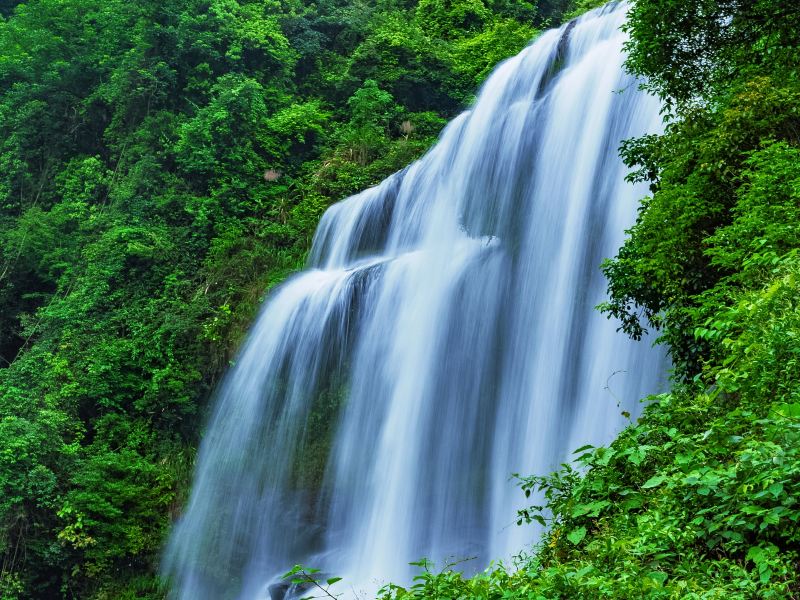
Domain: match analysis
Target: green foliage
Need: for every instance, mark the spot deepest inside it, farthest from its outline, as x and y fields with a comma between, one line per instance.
x=445, y=18
x=308, y=579
x=477, y=55
x=371, y=112
x=708, y=42
x=715, y=176
x=581, y=6
x=163, y=164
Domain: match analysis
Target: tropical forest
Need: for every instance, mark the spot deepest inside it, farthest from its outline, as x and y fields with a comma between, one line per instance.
x=399, y=299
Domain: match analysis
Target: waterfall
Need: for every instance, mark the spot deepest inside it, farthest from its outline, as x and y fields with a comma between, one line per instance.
x=442, y=337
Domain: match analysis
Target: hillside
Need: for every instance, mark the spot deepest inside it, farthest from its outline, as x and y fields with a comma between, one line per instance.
x=163, y=165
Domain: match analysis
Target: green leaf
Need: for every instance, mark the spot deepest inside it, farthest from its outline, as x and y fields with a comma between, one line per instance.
x=585, y=570
x=333, y=580
x=654, y=482
x=776, y=489
x=658, y=576
x=638, y=455
x=576, y=535
x=539, y=519
x=604, y=455
x=791, y=411
x=294, y=570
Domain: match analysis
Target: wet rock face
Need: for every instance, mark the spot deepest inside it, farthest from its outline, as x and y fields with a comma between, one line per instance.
x=278, y=591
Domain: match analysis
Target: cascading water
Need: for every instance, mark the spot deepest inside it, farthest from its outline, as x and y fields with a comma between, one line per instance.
x=442, y=338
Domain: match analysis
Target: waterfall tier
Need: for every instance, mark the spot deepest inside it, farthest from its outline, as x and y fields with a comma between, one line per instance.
x=442, y=337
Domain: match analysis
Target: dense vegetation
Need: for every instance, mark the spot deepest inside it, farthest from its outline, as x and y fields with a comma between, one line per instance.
x=701, y=497
x=163, y=164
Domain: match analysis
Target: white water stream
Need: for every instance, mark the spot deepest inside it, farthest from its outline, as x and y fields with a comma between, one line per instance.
x=444, y=331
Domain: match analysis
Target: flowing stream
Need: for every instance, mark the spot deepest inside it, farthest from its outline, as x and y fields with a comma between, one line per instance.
x=442, y=338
